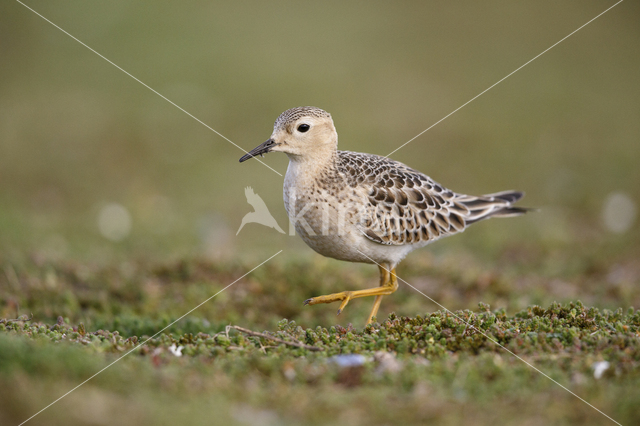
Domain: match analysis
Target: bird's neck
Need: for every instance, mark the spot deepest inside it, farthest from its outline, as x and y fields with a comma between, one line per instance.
x=306, y=169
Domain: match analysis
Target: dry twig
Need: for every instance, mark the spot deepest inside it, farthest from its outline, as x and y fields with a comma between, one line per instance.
x=275, y=339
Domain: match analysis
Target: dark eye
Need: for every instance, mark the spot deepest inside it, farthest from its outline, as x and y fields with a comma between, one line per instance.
x=303, y=128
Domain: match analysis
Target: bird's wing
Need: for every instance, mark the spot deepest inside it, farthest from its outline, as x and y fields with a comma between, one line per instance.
x=404, y=206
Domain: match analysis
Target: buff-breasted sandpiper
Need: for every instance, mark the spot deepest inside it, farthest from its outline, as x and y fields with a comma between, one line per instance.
x=366, y=208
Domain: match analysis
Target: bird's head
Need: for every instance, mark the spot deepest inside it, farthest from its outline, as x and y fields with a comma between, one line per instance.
x=301, y=133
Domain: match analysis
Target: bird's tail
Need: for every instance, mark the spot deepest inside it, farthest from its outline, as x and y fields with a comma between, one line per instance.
x=492, y=205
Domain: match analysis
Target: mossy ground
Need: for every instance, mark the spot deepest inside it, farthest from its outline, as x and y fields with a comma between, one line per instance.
x=439, y=366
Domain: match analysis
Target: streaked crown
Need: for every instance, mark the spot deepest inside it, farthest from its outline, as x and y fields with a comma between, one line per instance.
x=291, y=115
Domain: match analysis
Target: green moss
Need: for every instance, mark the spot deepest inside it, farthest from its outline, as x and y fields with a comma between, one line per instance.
x=428, y=352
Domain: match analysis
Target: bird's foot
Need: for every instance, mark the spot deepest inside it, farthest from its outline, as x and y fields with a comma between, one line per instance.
x=388, y=284
x=344, y=296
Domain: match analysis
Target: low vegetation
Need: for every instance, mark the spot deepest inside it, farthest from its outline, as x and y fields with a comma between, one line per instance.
x=236, y=361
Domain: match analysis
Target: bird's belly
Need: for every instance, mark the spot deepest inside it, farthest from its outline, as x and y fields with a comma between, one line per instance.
x=325, y=224
x=341, y=247
x=334, y=233
x=355, y=247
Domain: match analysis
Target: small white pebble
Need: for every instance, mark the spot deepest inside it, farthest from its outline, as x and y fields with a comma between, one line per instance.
x=177, y=351
x=599, y=368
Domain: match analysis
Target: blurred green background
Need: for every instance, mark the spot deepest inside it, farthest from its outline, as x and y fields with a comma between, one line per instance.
x=78, y=135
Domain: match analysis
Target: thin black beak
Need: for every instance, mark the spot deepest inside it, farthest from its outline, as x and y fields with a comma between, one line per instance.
x=263, y=148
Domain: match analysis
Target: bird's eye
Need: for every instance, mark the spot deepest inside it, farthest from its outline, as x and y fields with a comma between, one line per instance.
x=303, y=128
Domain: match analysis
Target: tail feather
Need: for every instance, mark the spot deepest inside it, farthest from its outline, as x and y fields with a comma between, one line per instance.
x=492, y=205
x=508, y=196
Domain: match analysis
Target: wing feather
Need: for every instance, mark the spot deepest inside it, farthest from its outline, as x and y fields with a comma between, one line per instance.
x=404, y=205
x=408, y=207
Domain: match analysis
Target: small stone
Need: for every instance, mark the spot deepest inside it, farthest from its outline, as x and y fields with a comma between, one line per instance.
x=599, y=368
x=177, y=351
x=349, y=360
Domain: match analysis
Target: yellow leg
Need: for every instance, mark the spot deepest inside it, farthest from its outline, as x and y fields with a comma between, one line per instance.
x=388, y=284
x=374, y=310
x=384, y=281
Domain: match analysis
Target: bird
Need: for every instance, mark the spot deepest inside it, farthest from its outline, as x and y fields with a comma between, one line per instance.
x=366, y=208
x=260, y=214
